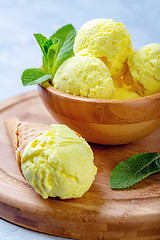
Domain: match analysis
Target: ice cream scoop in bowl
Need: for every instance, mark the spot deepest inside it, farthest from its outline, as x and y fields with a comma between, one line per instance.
x=104, y=121
x=91, y=81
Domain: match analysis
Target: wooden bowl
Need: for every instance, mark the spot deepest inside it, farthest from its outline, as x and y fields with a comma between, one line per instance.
x=110, y=122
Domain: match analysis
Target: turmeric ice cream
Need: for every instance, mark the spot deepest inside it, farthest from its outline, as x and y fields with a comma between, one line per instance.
x=84, y=76
x=59, y=163
x=144, y=70
x=106, y=40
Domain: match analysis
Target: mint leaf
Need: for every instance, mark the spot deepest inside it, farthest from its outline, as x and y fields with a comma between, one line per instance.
x=45, y=64
x=52, y=53
x=47, y=45
x=41, y=40
x=34, y=76
x=55, y=51
x=58, y=48
x=133, y=170
x=66, y=36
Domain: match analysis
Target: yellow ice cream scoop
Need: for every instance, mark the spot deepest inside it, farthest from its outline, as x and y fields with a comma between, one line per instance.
x=54, y=159
x=106, y=40
x=123, y=93
x=84, y=76
x=144, y=69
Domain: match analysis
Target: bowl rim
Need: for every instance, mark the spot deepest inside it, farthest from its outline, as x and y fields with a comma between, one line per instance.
x=58, y=92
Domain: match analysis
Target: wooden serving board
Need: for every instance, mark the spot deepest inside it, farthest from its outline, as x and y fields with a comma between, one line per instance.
x=101, y=213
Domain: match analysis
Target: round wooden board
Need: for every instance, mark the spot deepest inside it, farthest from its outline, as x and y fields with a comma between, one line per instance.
x=101, y=213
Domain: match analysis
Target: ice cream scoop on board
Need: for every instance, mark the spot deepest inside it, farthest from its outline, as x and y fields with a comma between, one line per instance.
x=55, y=160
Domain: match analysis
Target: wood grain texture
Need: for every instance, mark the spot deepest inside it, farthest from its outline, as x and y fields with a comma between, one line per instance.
x=101, y=213
x=110, y=122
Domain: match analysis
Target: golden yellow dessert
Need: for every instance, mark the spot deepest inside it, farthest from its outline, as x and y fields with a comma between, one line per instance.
x=106, y=40
x=144, y=70
x=96, y=61
x=55, y=160
x=84, y=76
x=123, y=93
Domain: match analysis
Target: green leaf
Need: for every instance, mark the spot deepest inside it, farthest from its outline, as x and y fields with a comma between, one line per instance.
x=133, y=170
x=47, y=45
x=55, y=51
x=66, y=36
x=45, y=64
x=52, y=53
x=41, y=40
x=34, y=76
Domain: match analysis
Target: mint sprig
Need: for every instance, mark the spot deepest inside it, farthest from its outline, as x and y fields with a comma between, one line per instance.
x=56, y=49
x=41, y=40
x=66, y=35
x=33, y=76
x=133, y=170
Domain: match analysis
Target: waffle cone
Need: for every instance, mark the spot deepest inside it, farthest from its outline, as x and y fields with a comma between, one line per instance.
x=12, y=129
x=21, y=133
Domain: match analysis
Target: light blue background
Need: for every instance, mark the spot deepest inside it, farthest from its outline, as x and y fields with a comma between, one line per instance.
x=19, y=19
